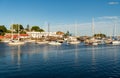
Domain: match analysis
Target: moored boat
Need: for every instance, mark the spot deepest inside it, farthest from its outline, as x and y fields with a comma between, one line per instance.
x=16, y=42
x=116, y=42
x=74, y=42
x=54, y=43
x=42, y=42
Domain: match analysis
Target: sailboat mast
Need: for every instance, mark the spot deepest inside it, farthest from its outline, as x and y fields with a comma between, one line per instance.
x=48, y=29
x=12, y=31
x=114, y=30
x=18, y=32
x=93, y=28
x=75, y=29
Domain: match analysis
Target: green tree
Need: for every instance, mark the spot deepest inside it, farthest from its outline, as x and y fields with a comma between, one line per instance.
x=41, y=30
x=99, y=35
x=67, y=34
x=3, y=30
x=8, y=31
x=27, y=28
x=16, y=27
x=37, y=29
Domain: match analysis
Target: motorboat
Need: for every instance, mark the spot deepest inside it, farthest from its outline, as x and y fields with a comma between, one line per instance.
x=116, y=42
x=54, y=43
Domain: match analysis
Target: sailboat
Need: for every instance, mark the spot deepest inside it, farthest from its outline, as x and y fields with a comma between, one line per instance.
x=16, y=42
x=42, y=42
x=115, y=42
x=73, y=40
x=92, y=41
x=54, y=43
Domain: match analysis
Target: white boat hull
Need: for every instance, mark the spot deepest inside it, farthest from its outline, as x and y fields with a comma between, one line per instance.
x=94, y=44
x=74, y=42
x=116, y=42
x=54, y=43
x=16, y=43
x=42, y=42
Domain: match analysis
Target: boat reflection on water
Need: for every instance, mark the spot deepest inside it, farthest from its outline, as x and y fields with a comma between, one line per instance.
x=46, y=61
x=93, y=58
x=16, y=55
x=76, y=53
x=28, y=51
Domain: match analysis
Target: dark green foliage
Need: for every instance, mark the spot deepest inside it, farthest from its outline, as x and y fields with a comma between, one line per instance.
x=67, y=34
x=8, y=31
x=16, y=27
x=3, y=30
x=100, y=35
x=41, y=30
x=37, y=29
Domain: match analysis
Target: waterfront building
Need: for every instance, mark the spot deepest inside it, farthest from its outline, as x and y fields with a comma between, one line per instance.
x=43, y=34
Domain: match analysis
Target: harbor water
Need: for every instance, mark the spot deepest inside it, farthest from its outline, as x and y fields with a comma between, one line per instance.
x=64, y=61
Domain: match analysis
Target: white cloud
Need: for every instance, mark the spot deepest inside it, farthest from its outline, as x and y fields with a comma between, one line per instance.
x=109, y=17
x=102, y=24
x=113, y=3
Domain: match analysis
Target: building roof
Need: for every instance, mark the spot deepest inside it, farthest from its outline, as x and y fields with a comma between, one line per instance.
x=1, y=37
x=15, y=35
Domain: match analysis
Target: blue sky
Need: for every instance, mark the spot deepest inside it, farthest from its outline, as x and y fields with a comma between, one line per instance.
x=63, y=14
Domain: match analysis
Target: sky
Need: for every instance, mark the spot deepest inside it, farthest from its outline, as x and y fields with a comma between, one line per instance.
x=74, y=16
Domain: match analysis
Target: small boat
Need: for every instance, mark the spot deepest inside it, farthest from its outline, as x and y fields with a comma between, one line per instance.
x=16, y=42
x=54, y=43
x=74, y=42
x=42, y=42
x=91, y=41
x=5, y=41
x=94, y=43
x=108, y=41
x=116, y=42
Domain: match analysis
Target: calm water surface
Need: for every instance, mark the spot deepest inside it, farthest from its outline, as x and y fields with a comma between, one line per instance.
x=65, y=61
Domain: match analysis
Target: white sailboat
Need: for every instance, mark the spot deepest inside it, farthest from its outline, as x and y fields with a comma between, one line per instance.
x=115, y=42
x=16, y=42
x=5, y=41
x=92, y=41
x=42, y=42
x=73, y=40
x=54, y=43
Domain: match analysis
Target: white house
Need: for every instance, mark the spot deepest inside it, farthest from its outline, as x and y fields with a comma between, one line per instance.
x=41, y=34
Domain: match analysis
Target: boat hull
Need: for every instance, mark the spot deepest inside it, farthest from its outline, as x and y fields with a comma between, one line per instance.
x=16, y=43
x=54, y=43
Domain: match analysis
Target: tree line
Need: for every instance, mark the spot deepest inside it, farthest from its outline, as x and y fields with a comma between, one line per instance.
x=15, y=28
